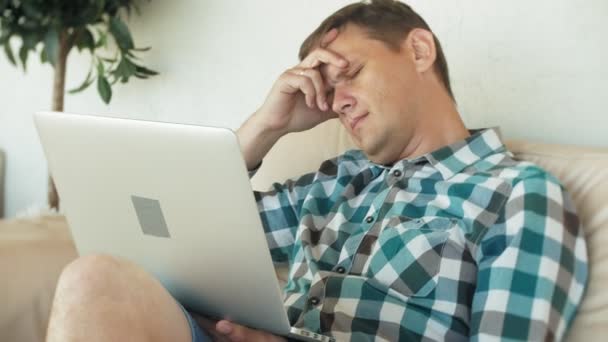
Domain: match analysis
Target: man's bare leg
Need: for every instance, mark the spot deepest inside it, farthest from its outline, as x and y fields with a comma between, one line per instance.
x=102, y=298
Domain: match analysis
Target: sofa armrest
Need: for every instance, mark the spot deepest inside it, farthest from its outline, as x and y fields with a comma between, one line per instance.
x=32, y=253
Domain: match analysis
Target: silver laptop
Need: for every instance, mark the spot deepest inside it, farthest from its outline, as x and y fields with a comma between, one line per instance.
x=175, y=199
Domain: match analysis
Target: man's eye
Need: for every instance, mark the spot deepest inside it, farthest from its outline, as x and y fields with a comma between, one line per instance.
x=356, y=73
x=329, y=95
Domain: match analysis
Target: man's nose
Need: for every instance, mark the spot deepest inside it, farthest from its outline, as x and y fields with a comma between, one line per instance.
x=344, y=102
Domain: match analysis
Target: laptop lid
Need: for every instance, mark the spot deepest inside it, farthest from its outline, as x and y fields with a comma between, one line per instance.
x=175, y=199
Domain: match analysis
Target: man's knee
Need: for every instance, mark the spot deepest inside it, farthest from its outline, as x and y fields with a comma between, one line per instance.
x=113, y=296
x=96, y=275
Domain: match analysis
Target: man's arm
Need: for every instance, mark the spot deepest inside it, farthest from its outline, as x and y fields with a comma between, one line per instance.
x=256, y=139
x=532, y=267
x=297, y=102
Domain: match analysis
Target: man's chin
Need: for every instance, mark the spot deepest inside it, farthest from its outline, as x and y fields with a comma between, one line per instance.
x=377, y=156
x=358, y=143
x=373, y=153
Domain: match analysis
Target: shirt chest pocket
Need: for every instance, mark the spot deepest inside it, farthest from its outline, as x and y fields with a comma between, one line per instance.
x=408, y=252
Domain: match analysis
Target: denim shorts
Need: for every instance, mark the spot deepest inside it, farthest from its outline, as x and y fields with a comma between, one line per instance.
x=198, y=334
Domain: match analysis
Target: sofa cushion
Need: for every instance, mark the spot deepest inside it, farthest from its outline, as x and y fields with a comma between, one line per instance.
x=299, y=153
x=32, y=253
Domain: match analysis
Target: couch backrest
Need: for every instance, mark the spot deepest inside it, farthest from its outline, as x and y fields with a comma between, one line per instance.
x=299, y=153
x=583, y=171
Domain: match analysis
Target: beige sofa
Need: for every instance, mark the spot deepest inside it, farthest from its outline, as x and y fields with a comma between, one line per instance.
x=32, y=251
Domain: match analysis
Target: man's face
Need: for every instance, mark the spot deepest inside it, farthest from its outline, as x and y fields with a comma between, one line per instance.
x=375, y=97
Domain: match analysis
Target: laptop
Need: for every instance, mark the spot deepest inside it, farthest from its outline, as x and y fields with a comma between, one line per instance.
x=175, y=199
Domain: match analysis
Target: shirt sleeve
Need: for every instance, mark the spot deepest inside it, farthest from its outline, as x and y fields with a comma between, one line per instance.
x=532, y=266
x=279, y=209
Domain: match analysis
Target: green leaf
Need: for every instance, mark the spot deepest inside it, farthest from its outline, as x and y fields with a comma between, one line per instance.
x=31, y=39
x=87, y=82
x=144, y=49
x=121, y=33
x=33, y=11
x=141, y=70
x=100, y=69
x=4, y=37
x=9, y=53
x=131, y=55
x=85, y=40
x=23, y=52
x=124, y=70
x=104, y=89
x=31, y=24
x=103, y=39
x=43, y=56
x=51, y=45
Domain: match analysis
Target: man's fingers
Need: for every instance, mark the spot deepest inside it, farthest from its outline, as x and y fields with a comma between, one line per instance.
x=208, y=326
x=329, y=37
x=296, y=81
x=233, y=331
x=321, y=56
x=317, y=81
x=239, y=333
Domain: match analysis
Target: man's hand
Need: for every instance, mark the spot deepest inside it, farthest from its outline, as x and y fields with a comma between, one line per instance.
x=238, y=333
x=298, y=99
x=297, y=102
x=226, y=331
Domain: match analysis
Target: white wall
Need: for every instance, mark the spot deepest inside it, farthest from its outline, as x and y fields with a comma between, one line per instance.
x=535, y=68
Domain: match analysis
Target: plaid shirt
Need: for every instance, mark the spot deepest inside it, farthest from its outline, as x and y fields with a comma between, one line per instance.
x=461, y=243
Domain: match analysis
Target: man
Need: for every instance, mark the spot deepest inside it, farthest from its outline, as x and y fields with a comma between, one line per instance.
x=428, y=232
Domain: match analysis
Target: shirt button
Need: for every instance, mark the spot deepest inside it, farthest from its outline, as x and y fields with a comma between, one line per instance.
x=341, y=269
x=397, y=173
x=314, y=301
x=369, y=219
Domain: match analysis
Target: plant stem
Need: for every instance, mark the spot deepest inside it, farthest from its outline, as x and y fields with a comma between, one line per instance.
x=58, y=93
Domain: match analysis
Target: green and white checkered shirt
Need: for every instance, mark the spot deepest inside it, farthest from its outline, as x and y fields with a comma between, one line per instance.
x=461, y=243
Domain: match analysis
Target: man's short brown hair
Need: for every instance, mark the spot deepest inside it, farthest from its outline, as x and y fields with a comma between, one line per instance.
x=388, y=21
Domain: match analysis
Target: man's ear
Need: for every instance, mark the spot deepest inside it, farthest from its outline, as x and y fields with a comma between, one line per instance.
x=421, y=45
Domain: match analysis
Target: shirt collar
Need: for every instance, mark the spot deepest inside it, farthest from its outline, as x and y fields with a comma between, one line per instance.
x=451, y=159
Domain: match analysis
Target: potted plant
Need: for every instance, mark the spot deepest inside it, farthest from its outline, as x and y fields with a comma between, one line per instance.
x=51, y=29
